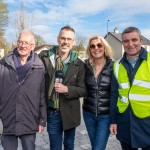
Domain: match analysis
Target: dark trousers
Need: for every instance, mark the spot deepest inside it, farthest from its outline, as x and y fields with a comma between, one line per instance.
x=10, y=142
x=128, y=147
x=56, y=133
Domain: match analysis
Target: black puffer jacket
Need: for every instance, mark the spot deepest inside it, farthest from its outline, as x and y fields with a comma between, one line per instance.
x=97, y=99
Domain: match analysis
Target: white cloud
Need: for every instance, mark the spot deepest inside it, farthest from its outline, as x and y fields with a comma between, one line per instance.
x=49, y=15
x=87, y=7
x=128, y=8
x=46, y=33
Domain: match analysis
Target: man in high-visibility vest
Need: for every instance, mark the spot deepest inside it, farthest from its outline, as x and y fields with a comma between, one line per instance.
x=130, y=94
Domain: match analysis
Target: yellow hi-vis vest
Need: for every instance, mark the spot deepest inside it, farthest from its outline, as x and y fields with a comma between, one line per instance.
x=138, y=94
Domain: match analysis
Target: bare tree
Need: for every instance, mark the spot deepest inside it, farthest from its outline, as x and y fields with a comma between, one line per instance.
x=80, y=43
x=81, y=40
x=22, y=20
x=80, y=46
x=40, y=40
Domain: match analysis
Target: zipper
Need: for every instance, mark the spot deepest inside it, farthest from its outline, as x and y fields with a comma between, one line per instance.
x=96, y=96
x=26, y=76
x=97, y=82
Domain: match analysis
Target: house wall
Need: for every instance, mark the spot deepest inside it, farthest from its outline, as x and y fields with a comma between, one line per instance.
x=116, y=46
x=147, y=47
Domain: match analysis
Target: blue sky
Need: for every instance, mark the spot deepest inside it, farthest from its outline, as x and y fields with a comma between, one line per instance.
x=87, y=17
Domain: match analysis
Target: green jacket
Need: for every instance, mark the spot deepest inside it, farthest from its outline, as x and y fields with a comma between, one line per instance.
x=74, y=79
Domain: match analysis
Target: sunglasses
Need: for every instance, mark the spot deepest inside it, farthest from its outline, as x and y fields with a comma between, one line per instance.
x=99, y=45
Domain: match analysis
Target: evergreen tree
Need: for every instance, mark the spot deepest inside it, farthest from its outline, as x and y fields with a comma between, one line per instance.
x=3, y=21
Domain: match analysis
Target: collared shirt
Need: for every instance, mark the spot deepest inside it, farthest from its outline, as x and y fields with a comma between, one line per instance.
x=133, y=62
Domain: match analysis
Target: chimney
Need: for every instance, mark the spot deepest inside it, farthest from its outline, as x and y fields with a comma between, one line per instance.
x=116, y=30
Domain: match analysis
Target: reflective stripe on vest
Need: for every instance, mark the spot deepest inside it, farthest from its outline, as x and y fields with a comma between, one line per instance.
x=139, y=97
x=141, y=83
x=117, y=68
x=123, y=89
x=123, y=99
x=124, y=85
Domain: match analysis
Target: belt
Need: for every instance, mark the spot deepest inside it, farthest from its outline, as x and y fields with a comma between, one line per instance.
x=53, y=109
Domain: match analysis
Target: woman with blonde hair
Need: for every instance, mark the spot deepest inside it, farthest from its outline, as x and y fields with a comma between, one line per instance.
x=98, y=71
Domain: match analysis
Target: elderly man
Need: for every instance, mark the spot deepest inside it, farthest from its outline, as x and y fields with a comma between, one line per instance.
x=22, y=101
x=130, y=120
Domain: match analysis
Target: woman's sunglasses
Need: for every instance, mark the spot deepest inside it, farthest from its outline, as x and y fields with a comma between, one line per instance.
x=99, y=45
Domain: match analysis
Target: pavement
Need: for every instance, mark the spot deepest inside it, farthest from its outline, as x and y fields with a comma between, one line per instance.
x=81, y=140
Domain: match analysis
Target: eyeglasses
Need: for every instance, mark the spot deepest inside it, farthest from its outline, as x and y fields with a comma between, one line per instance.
x=99, y=45
x=64, y=39
x=25, y=43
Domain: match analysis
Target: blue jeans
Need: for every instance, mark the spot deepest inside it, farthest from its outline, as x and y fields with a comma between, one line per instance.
x=55, y=132
x=98, y=129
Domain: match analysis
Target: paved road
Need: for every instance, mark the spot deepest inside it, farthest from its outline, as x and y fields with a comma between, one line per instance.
x=81, y=140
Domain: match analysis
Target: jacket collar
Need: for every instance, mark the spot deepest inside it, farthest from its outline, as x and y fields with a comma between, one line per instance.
x=108, y=60
x=52, y=52
x=142, y=55
x=10, y=60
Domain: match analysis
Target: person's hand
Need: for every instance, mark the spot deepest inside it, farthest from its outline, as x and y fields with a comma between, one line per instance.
x=60, y=88
x=41, y=129
x=113, y=129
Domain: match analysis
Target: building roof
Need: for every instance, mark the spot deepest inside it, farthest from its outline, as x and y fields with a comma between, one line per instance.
x=118, y=37
x=46, y=46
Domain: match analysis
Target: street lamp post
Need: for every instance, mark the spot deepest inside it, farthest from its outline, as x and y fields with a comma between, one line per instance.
x=107, y=29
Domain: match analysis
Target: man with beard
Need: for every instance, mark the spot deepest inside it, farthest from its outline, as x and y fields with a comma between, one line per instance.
x=64, y=86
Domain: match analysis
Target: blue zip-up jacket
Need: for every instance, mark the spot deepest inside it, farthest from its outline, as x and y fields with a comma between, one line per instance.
x=130, y=129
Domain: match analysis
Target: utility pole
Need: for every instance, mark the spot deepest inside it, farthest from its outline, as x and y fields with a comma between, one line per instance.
x=107, y=29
